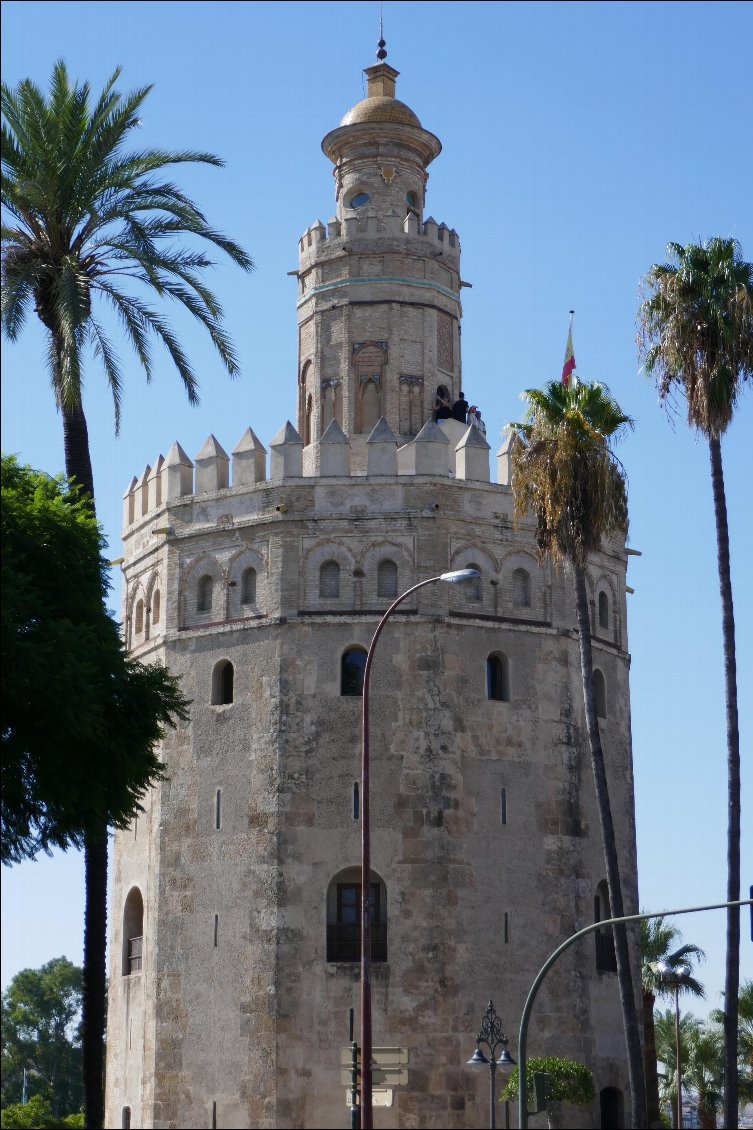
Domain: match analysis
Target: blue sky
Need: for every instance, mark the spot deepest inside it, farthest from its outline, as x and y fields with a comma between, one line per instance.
x=578, y=139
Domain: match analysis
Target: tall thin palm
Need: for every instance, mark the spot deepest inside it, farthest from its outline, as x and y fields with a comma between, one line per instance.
x=696, y=338
x=90, y=225
x=565, y=473
x=657, y=939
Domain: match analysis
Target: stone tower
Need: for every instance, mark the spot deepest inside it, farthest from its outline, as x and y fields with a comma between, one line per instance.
x=260, y=582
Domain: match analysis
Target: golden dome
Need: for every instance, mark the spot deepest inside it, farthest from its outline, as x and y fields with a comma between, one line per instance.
x=379, y=108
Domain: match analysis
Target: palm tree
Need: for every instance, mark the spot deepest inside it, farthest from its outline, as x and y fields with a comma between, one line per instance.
x=702, y=1063
x=566, y=474
x=657, y=939
x=696, y=338
x=744, y=1040
x=89, y=226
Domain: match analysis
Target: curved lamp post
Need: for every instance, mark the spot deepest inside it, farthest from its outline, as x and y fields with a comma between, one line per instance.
x=492, y=1035
x=453, y=578
x=676, y=976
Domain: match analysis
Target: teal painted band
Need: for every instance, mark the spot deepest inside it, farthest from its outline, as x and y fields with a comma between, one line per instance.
x=378, y=279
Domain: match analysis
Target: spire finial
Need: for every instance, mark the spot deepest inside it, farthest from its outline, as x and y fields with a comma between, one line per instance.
x=381, y=45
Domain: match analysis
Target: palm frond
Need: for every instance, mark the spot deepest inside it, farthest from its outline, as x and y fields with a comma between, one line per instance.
x=87, y=214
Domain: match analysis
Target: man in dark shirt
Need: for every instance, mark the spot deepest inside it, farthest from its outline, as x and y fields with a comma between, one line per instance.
x=442, y=407
x=460, y=409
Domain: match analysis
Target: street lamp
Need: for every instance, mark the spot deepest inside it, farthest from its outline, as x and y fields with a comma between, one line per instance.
x=456, y=577
x=492, y=1035
x=676, y=976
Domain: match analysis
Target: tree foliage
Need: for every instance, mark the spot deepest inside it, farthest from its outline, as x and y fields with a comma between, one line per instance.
x=40, y=1033
x=696, y=338
x=702, y=1052
x=88, y=220
x=569, y=1082
x=657, y=939
x=565, y=471
x=37, y=1114
x=80, y=719
x=696, y=329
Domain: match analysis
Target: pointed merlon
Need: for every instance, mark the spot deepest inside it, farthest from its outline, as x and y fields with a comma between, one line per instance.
x=177, y=474
x=286, y=460
x=433, y=451
x=381, y=447
x=141, y=493
x=129, y=504
x=334, y=451
x=249, y=460
x=155, y=484
x=212, y=467
x=511, y=442
x=472, y=456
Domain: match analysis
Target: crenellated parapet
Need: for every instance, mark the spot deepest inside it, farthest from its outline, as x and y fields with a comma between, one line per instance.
x=449, y=450
x=430, y=235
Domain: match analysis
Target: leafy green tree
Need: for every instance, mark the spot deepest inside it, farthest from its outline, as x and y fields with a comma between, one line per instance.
x=37, y=1115
x=566, y=475
x=696, y=339
x=91, y=222
x=40, y=1033
x=657, y=941
x=80, y=718
x=568, y=1082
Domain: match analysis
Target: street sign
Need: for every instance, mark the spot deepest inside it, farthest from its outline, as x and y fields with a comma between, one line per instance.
x=380, y=1096
x=389, y=1066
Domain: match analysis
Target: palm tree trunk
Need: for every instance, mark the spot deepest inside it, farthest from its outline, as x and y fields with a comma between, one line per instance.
x=78, y=466
x=653, y=1111
x=732, y=972
x=624, y=975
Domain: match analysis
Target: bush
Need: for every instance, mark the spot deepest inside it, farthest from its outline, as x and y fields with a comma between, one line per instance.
x=569, y=1082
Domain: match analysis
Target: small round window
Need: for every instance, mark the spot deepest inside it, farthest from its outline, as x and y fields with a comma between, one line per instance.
x=411, y=200
x=359, y=200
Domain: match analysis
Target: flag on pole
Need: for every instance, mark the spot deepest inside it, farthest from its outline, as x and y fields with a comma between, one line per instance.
x=569, y=366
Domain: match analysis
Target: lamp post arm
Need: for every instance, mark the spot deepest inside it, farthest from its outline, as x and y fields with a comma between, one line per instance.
x=528, y=1006
x=366, y=1040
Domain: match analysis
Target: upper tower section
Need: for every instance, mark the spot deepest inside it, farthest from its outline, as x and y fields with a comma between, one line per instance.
x=378, y=287
x=381, y=152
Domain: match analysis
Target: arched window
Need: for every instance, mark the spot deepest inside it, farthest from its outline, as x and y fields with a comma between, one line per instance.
x=352, y=667
x=222, y=683
x=125, y=1119
x=600, y=694
x=344, y=917
x=133, y=932
x=387, y=578
x=498, y=678
x=248, y=586
x=606, y=962
x=204, y=594
x=521, y=588
x=473, y=587
x=603, y=610
x=139, y=625
x=308, y=418
x=329, y=580
x=155, y=606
